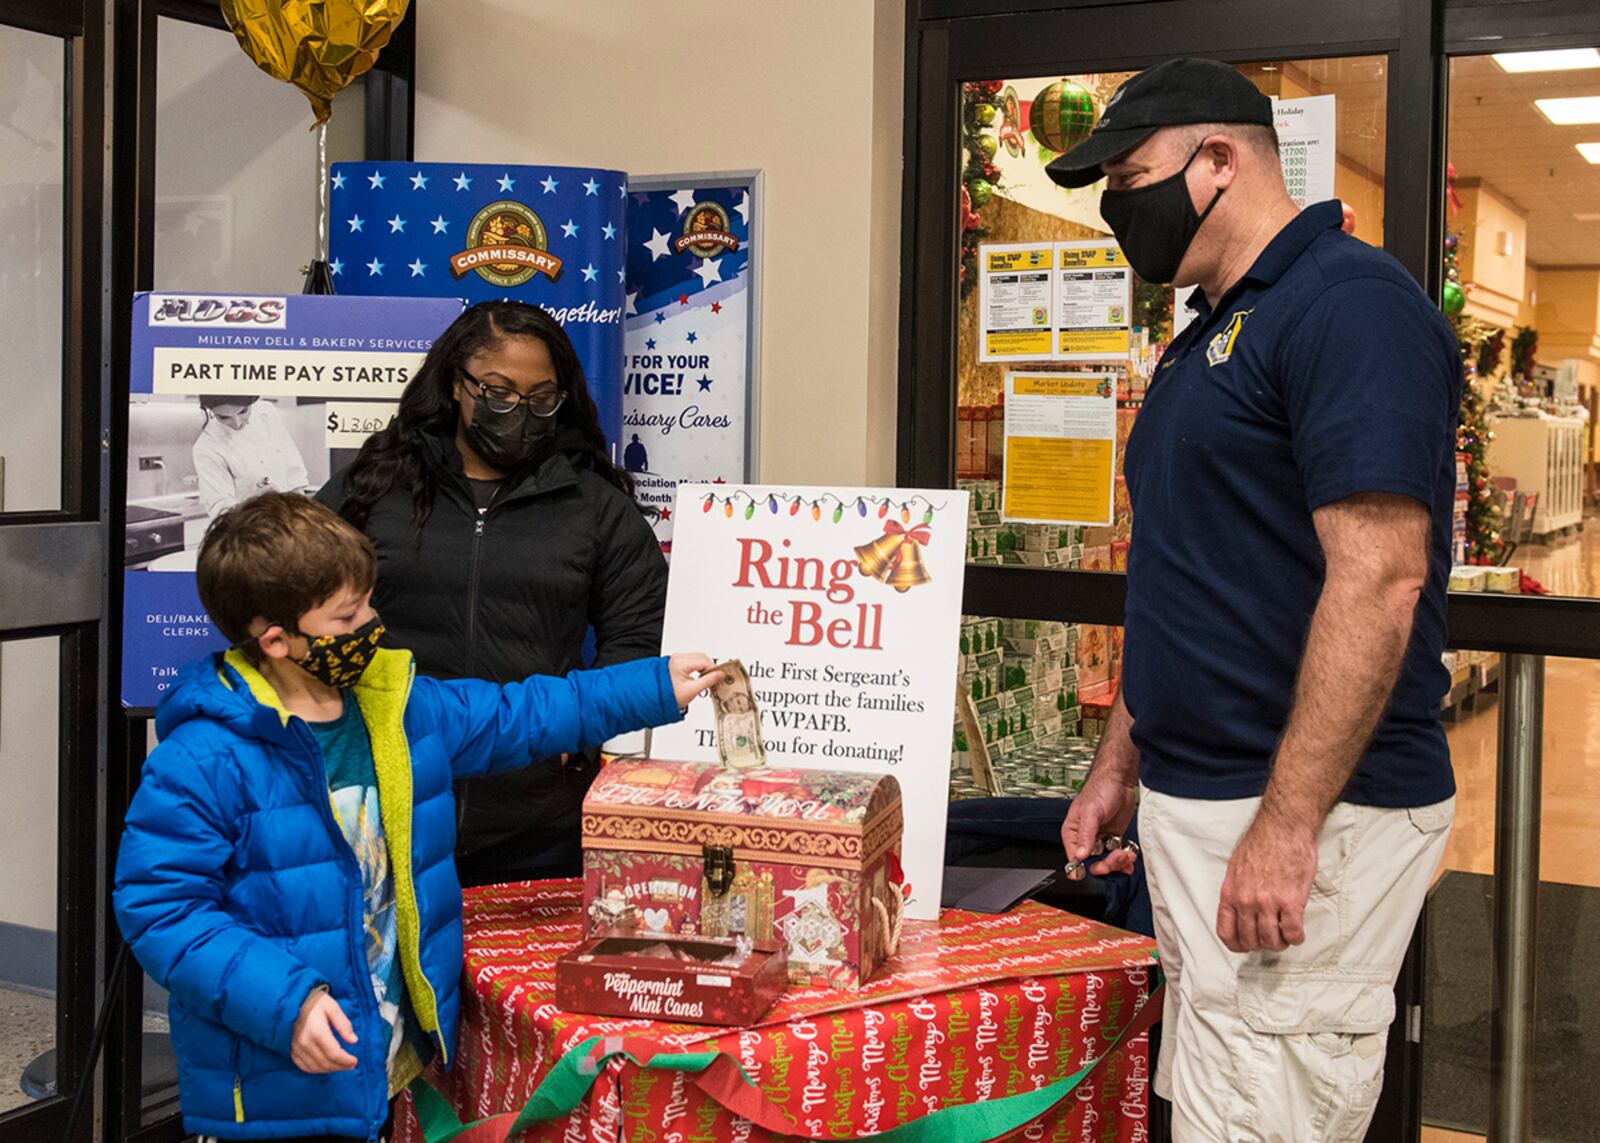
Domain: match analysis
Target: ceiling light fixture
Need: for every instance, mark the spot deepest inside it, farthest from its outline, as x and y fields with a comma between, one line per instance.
x=1587, y=217
x=1561, y=59
x=1590, y=151
x=1570, y=111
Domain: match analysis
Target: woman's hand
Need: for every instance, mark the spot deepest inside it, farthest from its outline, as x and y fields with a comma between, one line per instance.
x=692, y=676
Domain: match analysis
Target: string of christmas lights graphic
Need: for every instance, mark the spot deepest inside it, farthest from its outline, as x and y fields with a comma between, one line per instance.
x=863, y=506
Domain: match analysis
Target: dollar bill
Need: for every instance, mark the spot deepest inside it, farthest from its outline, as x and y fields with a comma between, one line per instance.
x=738, y=721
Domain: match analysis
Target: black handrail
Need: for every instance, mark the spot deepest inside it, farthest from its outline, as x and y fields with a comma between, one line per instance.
x=1555, y=626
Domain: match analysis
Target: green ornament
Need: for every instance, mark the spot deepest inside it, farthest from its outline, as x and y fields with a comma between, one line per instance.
x=1455, y=299
x=981, y=190
x=983, y=114
x=987, y=146
x=1063, y=114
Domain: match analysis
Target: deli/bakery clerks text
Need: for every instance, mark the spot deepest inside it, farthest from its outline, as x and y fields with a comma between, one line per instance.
x=846, y=625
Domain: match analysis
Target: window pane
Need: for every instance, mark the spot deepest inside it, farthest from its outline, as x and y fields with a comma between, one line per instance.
x=32, y=150
x=29, y=762
x=1522, y=268
x=1332, y=143
x=1458, y=996
x=236, y=166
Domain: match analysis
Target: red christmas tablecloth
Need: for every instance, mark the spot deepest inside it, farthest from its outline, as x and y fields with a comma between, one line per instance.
x=973, y=1008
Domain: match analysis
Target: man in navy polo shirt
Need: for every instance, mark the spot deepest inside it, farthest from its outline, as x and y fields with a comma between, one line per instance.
x=1292, y=473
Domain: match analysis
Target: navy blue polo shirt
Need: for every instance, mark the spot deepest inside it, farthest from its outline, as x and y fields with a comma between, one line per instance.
x=1323, y=373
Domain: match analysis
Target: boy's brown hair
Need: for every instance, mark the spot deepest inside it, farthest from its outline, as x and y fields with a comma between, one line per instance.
x=278, y=556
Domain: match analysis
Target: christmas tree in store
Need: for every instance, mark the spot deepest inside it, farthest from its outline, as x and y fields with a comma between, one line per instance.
x=1480, y=345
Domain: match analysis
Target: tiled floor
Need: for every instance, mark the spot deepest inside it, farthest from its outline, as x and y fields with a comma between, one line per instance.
x=1570, y=823
x=27, y=1028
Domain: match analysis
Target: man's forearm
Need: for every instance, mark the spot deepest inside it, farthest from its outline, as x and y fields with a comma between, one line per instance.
x=1356, y=644
x=1116, y=754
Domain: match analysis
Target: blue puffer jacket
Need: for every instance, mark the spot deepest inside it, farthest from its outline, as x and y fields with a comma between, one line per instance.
x=239, y=894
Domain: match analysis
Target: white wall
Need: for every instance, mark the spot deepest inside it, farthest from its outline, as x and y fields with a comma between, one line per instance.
x=236, y=166
x=809, y=94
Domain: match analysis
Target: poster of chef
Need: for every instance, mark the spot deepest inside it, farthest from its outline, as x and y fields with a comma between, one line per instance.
x=233, y=395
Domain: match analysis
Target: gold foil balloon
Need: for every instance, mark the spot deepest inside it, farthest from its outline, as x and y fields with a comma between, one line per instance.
x=320, y=46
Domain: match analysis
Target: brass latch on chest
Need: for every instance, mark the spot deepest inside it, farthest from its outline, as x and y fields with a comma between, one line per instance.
x=718, y=861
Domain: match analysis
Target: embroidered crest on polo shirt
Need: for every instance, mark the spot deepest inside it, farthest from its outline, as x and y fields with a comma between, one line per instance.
x=1220, y=348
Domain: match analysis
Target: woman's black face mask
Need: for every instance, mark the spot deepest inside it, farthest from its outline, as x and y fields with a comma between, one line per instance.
x=506, y=440
x=1155, y=224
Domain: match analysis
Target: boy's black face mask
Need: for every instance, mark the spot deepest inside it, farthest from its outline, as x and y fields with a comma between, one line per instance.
x=339, y=661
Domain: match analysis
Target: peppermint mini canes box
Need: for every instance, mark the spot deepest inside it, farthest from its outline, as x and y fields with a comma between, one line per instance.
x=808, y=858
x=694, y=980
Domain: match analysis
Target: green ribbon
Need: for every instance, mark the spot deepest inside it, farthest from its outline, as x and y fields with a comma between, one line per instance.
x=569, y=1081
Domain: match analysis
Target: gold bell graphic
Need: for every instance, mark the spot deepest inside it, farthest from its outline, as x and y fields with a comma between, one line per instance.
x=878, y=557
x=909, y=571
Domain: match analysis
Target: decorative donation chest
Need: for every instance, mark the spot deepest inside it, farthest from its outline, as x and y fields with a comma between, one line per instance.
x=809, y=858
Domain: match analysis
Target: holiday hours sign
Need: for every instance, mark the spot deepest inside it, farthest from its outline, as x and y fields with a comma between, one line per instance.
x=844, y=605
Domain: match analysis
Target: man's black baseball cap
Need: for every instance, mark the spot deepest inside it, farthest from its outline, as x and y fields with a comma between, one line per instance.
x=1167, y=95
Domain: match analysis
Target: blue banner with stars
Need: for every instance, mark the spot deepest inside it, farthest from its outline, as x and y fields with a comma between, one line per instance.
x=686, y=362
x=550, y=236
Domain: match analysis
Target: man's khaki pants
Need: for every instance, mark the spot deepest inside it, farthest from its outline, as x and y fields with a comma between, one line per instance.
x=1283, y=1047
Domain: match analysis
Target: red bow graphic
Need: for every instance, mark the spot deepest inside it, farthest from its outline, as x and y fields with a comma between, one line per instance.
x=920, y=533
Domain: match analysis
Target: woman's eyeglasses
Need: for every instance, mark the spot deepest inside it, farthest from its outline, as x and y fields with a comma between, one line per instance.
x=543, y=403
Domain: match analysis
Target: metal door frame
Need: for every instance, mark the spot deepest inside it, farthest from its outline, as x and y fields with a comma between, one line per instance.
x=51, y=561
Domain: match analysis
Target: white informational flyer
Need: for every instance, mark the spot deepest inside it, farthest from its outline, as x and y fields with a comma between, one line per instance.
x=1016, y=303
x=1307, y=146
x=1094, y=300
x=844, y=605
x=1061, y=441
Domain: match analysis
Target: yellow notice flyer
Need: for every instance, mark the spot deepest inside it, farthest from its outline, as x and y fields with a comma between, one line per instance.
x=1061, y=439
x=1094, y=300
x=1015, y=301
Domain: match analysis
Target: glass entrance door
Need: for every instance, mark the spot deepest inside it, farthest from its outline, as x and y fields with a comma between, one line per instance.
x=993, y=96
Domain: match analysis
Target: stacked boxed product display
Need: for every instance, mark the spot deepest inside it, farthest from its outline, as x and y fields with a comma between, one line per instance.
x=1023, y=683
x=992, y=541
x=1458, y=518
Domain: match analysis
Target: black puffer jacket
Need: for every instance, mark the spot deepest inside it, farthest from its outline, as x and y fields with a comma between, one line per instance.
x=509, y=594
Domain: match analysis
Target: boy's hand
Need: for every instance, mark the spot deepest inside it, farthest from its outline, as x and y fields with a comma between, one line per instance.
x=316, y=1050
x=692, y=676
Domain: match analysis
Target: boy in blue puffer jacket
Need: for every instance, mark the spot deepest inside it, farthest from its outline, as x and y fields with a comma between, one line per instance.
x=285, y=868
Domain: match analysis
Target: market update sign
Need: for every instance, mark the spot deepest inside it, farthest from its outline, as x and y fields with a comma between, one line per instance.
x=233, y=395
x=843, y=604
x=686, y=390
x=550, y=236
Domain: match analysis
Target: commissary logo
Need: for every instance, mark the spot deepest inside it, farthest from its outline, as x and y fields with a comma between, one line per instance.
x=208, y=309
x=707, y=233
x=506, y=245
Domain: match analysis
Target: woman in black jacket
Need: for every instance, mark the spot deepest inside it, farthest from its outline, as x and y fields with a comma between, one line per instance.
x=503, y=532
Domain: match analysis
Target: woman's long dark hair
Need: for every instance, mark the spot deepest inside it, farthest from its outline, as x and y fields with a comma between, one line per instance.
x=394, y=455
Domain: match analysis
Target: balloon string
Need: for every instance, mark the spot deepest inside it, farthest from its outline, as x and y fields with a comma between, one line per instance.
x=322, y=192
